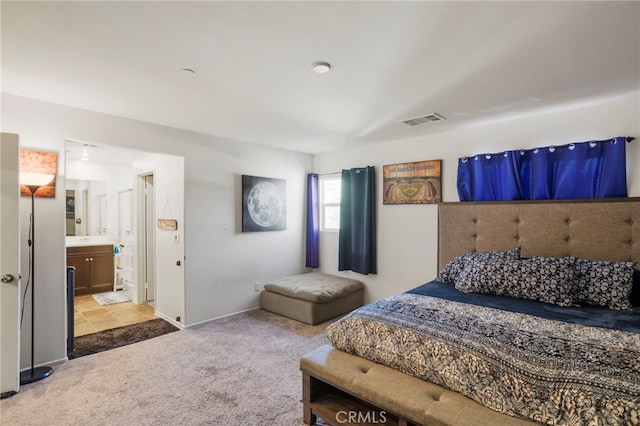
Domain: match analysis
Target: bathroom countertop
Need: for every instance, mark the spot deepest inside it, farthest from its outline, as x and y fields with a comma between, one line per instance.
x=90, y=242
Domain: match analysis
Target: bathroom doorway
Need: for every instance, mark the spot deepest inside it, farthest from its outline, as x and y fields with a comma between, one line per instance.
x=138, y=184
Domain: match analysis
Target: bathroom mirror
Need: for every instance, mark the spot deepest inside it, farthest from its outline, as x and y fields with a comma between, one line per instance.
x=86, y=207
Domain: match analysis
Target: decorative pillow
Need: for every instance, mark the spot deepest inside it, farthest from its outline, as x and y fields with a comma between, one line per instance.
x=546, y=279
x=604, y=283
x=452, y=270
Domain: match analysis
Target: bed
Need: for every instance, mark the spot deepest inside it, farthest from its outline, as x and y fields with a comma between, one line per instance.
x=474, y=345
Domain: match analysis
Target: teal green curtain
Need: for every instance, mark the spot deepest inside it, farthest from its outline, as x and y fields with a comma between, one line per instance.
x=357, y=236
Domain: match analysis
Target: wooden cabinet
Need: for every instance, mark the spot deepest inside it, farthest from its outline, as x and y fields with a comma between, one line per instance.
x=94, y=268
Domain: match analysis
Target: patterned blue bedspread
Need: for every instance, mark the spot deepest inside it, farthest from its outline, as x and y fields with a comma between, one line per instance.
x=522, y=365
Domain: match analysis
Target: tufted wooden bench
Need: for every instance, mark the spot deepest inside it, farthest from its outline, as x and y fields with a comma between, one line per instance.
x=313, y=297
x=339, y=387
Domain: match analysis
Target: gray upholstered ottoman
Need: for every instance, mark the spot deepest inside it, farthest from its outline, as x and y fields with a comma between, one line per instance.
x=312, y=298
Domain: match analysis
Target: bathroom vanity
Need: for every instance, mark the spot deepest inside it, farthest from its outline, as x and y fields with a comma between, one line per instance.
x=93, y=265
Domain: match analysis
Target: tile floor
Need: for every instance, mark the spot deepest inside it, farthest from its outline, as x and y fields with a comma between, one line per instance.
x=91, y=317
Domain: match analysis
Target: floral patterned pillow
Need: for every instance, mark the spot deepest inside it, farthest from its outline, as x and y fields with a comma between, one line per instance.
x=452, y=270
x=605, y=283
x=544, y=279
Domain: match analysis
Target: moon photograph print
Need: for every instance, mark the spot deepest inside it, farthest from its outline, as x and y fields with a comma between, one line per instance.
x=264, y=204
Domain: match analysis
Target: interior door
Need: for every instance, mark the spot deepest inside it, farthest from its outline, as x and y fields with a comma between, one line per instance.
x=9, y=266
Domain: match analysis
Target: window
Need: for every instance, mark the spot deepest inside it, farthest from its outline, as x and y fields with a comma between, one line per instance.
x=330, y=202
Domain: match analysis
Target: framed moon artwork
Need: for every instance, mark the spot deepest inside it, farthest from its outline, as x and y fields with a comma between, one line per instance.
x=264, y=204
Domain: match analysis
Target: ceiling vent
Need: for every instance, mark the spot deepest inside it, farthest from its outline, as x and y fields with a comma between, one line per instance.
x=424, y=119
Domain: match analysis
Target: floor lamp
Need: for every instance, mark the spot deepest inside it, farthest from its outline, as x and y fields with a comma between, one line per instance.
x=33, y=181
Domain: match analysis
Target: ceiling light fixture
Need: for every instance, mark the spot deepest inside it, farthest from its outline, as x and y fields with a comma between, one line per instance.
x=321, y=67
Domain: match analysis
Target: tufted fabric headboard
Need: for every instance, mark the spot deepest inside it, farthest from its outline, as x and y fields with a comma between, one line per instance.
x=607, y=229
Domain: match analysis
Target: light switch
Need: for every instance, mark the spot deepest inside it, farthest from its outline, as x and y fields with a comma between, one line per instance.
x=176, y=238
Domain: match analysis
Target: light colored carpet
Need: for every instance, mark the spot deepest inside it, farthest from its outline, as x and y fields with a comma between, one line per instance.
x=240, y=370
x=112, y=297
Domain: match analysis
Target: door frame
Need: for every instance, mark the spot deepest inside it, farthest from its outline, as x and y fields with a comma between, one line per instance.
x=146, y=238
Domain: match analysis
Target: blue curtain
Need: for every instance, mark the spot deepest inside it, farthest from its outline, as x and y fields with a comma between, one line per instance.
x=313, y=221
x=490, y=177
x=357, y=236
x=595, y=169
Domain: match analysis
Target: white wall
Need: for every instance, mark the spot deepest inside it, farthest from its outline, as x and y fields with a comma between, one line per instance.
x=407, y=234
x=222, y=264
x=225, y=262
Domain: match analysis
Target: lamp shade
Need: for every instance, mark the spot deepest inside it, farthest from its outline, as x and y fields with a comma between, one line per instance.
x=35, y=179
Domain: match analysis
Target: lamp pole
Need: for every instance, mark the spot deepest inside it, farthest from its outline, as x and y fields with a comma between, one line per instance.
x=35, y=373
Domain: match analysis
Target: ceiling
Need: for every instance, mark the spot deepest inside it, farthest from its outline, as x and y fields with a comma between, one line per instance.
x=391, y=61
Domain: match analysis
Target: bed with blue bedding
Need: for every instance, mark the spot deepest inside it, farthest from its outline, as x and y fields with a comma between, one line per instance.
x=534, y=313
x=527, y=359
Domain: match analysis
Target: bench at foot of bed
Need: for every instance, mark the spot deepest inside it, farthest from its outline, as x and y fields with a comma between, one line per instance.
x=344, y=389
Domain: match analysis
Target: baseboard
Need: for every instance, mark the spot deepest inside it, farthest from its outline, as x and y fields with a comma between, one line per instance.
x=220, y=317
x=170, y=320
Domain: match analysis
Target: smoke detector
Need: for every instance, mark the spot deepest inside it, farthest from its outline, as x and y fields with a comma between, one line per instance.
x=321, y=67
